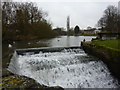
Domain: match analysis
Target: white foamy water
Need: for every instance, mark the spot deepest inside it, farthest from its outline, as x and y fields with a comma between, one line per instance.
x=70, y=68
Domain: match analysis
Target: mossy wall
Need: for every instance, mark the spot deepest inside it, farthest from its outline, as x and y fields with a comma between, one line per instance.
x=15, y=82
x=108, y=56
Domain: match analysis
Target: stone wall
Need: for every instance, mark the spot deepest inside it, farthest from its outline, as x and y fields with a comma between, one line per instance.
x=109, y=57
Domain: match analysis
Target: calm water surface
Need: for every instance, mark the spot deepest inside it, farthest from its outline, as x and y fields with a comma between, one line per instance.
x=66, y=41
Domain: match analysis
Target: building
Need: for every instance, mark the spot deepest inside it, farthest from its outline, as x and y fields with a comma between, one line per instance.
x=91, y=32
x=88, y=32
x=97, y=31
x=68, y=23
x=108, y=35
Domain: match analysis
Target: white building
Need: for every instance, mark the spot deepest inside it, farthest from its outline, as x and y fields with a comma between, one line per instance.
x=97, y=31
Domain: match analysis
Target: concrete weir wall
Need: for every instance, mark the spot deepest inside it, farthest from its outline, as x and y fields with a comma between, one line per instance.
x=46, y=49
x=110, y=58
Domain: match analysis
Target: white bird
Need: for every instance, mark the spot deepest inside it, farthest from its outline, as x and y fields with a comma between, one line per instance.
x=14, y=42
x=9, y=45
x=29, y=43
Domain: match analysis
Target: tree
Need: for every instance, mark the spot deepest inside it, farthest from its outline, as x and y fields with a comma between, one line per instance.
x=24, y=21
x=59, y=31
x=71, y=31
x=110, y=19
x=77, y=30
x=118, y=21
x=101, y=23
x=7, y=18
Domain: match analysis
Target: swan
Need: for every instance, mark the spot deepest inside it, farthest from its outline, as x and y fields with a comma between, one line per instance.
x=9, y=45
x=29, y=43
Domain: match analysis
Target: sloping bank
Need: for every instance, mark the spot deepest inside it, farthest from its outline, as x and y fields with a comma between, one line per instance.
x=110, y=56
x=14, y=81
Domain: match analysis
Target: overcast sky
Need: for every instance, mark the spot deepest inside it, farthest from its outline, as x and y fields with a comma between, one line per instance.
x=83, y=13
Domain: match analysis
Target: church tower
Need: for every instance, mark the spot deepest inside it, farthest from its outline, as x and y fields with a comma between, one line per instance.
x=119, y=7
x=68, y=23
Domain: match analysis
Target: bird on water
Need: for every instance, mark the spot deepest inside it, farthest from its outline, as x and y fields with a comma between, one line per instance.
x=9, y=45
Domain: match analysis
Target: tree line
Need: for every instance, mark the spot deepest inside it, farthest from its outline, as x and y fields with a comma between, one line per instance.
x=110, y=21
x=22, y=21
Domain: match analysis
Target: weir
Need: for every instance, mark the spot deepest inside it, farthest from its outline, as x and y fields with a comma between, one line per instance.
x=68, y=67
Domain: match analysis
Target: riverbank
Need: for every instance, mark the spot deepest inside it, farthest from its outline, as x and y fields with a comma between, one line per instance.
x=106, y=50
x=83, y=35
x=13, y=81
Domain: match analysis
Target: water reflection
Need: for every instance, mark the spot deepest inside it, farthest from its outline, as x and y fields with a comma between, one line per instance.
x=68, y=41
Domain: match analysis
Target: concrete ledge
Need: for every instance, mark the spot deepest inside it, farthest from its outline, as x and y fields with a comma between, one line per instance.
x=45, y=49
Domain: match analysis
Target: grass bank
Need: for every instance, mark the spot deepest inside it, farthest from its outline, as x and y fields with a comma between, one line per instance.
x=112, y=46
x=109, y=44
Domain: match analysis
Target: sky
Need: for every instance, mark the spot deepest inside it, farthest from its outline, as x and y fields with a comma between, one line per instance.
x=83, y=13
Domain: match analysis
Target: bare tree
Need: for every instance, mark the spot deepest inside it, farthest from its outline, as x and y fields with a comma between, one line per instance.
x=109, y=19
x=24, y=20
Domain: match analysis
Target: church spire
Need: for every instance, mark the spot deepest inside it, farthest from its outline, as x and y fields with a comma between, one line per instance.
x=68, y=23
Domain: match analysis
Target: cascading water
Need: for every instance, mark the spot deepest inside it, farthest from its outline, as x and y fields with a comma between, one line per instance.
x=70, y=68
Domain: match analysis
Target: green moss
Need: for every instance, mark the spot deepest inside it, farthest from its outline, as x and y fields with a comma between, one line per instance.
x=15, y=81
x=11, y=81
x=9, y=77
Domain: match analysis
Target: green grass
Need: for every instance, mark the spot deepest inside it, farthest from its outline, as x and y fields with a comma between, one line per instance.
x=110, y=44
